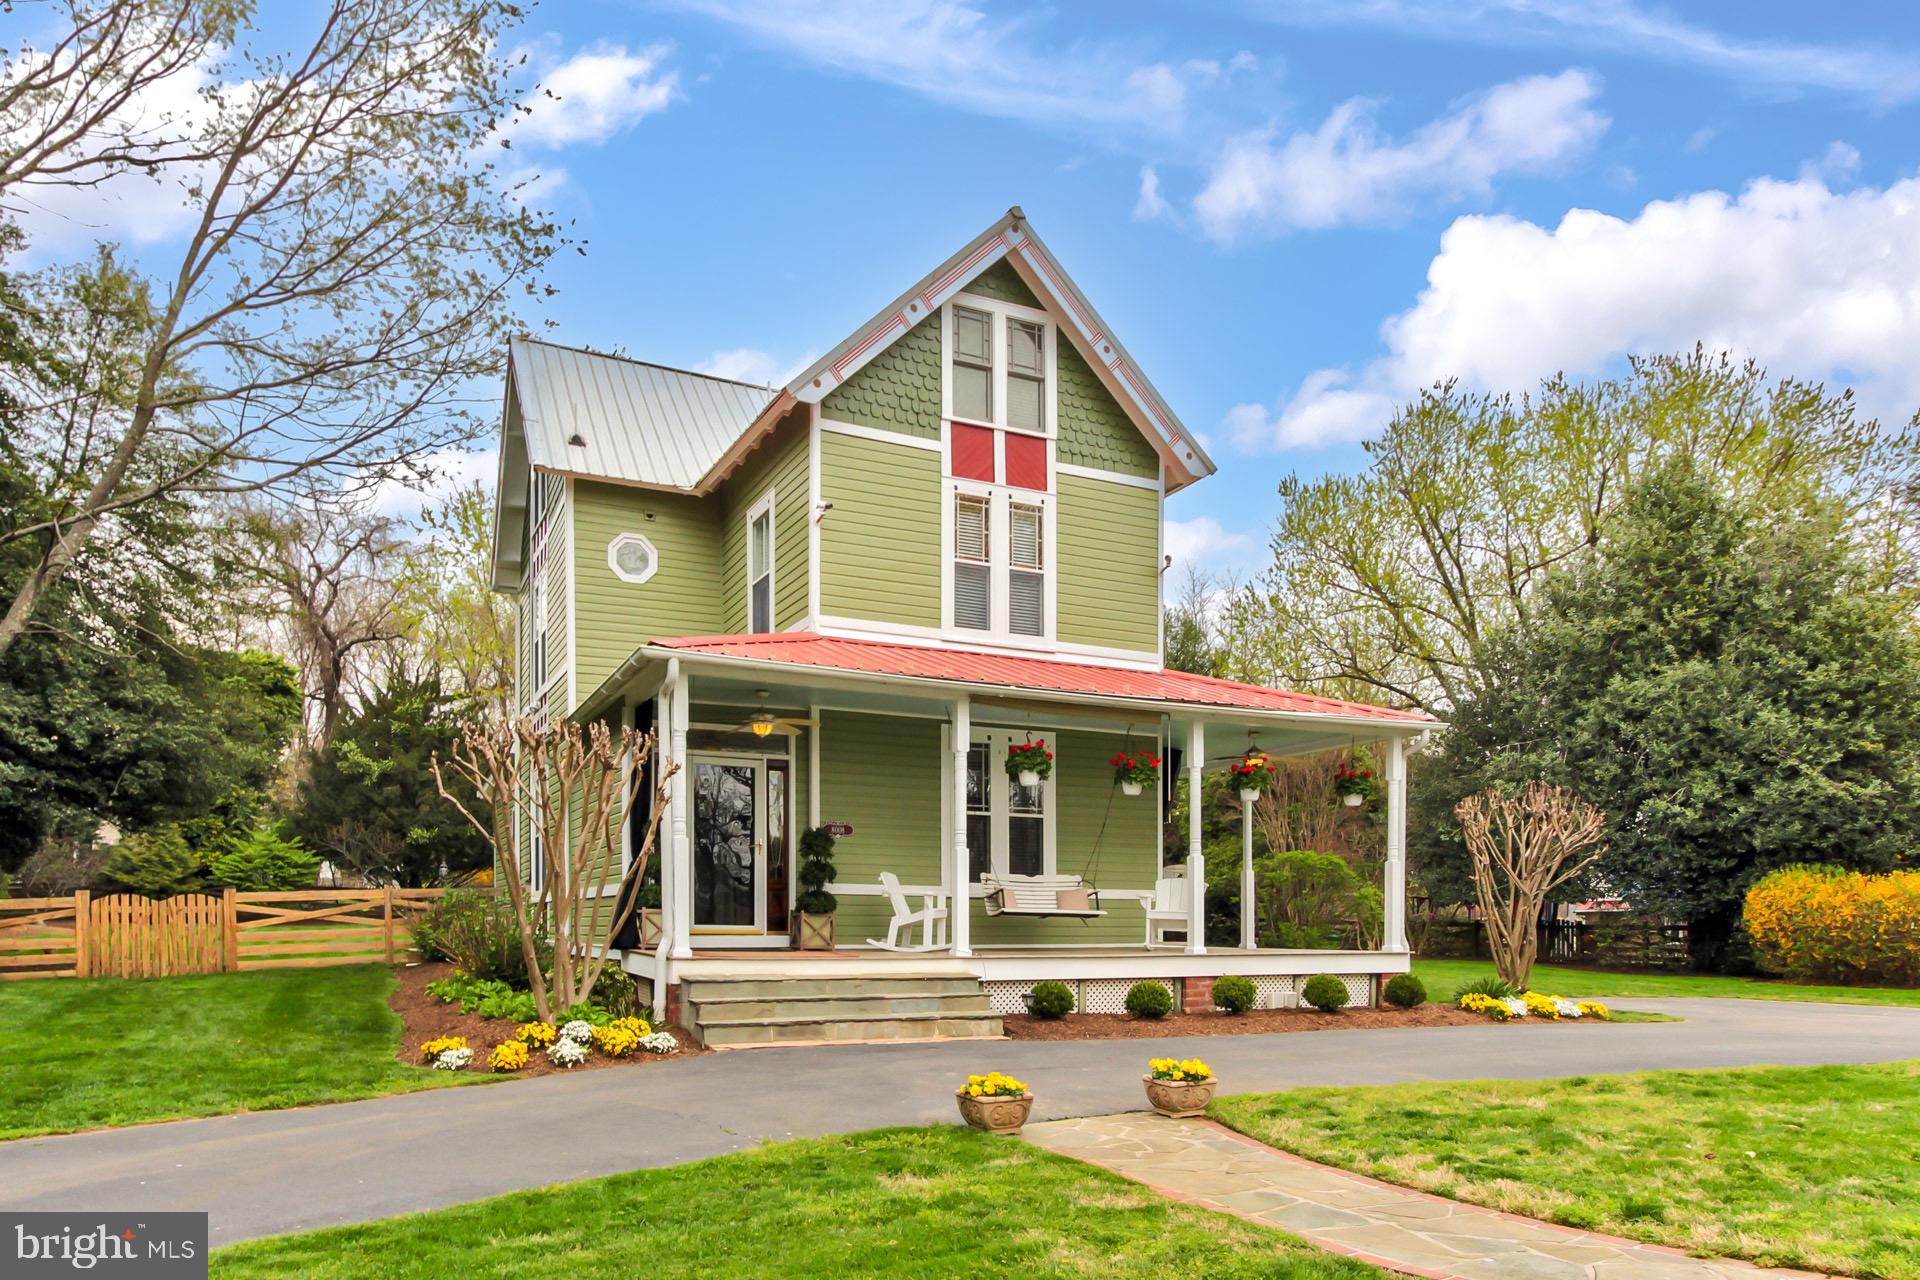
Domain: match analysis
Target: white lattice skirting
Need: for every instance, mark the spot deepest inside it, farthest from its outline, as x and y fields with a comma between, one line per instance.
x=1109, y=995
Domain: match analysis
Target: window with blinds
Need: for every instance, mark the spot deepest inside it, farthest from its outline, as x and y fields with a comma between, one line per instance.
x=1026, y=571
x=972, y=563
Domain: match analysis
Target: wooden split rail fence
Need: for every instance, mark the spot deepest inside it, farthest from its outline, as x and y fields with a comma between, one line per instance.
x=128, y=936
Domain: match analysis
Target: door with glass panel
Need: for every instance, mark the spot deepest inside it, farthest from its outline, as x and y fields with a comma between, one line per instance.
x=729, y=844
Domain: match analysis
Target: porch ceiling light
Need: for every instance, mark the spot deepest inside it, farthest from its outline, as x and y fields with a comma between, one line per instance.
x=762, y=723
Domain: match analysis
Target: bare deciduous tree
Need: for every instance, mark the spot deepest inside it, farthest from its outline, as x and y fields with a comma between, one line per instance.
x=347, y=269
x=1299, y=810
x=546, y=772
x=1524, y=847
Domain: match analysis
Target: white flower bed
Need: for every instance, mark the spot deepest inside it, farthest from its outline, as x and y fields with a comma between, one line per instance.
x=659, y=1042
x=567, y=1052
x=1566, y=1008
x=453, y=1060
x=579, y=1031
x=1516, y=1006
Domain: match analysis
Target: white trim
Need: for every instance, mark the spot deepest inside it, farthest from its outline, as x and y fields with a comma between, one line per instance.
x=573, y=598
x=814, y=513
x=813, y=767
x=998, y=313
x=1022, y=962
x=878, y=434
x=766, y=504
x=982, y=642
x=613, y=560
x=1109, y=477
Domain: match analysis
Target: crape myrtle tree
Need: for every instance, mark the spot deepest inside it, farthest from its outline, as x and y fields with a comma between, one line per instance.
x=344, y=272
x=1733, y=685
x=1386, y=584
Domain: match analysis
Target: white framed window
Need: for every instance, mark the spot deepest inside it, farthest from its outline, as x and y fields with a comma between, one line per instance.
x=1010, y=828
x=538, y=625
x=1000, y=580
x=972, y=561
x=536, y=857
x=760, y=565
x=999, y=365
x=632, y=558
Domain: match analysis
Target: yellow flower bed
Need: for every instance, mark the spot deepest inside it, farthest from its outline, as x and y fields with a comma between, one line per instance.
x=537, y=1035
x=1541, y=1006
x=615, y=1040
x=1183, y=1070
x=511, y=1056
x=994, y=1085
x=1492, y=1008
x=1594, y=1009
x=439, y=1045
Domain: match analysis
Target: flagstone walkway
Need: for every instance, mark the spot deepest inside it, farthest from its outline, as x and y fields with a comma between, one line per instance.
x=1206, y=1164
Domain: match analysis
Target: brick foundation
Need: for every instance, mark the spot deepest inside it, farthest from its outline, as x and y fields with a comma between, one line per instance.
x=1196, y=995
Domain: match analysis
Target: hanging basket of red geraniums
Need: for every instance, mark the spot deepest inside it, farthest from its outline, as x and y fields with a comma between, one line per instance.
x=1133, y=770
x=1029, y=762
x=1354, y=786
x=1253, y=774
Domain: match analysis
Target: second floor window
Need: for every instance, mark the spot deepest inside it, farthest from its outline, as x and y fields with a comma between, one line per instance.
x=999, y=563
x=760, y=566
x=537, y=627
x=1026, y=375
x=972, y=365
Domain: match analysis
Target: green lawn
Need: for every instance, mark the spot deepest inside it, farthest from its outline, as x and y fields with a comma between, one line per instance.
x=942, y=1201
x=1442, y=976
x=81, y=1053
x=1812, y=1167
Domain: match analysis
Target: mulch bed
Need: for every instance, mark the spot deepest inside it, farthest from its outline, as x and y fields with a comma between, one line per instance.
x=1118, y=1026
x=426, y=1018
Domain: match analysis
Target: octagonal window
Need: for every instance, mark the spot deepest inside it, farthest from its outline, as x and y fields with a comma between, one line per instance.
x=632, y=558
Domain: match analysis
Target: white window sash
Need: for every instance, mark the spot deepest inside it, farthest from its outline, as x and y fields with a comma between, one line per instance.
x=1000, y=804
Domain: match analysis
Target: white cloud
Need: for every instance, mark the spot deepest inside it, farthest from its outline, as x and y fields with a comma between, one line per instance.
x=1811, y=281
x=1204, y=544
x=1345, y=171
x=1150, y=204
x=595, y=94
x=749, y=364
x=954, y=52
x=1883, y=77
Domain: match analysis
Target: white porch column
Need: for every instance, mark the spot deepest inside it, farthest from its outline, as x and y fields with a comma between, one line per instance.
x=1249, y=938
x=680, y=920
x=959, y=875
x=1395, y=916
x=1196, y=860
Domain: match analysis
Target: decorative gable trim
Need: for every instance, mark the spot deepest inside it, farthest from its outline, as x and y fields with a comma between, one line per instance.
x=1012, y=239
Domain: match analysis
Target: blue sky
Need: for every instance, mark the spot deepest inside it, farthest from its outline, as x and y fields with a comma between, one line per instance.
x=1294, y=213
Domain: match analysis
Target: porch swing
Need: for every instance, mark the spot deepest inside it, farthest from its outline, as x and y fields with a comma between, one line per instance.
x=1055, y=897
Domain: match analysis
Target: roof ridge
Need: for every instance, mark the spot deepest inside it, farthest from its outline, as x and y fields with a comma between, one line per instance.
x=651, y=364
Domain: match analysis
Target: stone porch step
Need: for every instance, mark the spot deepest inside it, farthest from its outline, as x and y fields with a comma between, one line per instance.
x=852, y=1027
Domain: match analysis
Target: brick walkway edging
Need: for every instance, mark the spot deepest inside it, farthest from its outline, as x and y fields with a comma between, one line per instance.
x=1662, y=1261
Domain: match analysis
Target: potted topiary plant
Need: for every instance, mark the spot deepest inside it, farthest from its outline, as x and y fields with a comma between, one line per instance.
x=1028, y=763
x=651, y=920
x=1134, y=770
x=813, y=907
x=1179, y=1087
x=994, y=1102
x=1252, y=774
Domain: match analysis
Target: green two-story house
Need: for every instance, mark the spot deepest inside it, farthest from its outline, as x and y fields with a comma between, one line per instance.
x=843, y=602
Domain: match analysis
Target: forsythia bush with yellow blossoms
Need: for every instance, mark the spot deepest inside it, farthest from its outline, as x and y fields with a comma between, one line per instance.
x=1824, y=924
x=1182, y=1070
x=994, y=1085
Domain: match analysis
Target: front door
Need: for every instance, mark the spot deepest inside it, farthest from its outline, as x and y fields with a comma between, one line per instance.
x=736, y=835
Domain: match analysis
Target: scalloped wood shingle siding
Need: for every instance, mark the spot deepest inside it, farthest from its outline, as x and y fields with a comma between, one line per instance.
x=898, y=390
x=1094, y=430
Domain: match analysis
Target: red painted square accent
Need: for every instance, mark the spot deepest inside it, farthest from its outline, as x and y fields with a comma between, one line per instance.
x=972, y=452
x=1026, y=461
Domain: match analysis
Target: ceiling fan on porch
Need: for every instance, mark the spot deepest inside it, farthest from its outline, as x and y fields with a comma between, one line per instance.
x=764, y=723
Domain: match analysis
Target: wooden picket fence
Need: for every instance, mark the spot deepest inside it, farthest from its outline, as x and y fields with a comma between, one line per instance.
x=127, y=936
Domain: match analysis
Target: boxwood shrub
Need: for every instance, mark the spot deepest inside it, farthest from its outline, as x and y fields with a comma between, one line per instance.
x=1404, y=991
x=1147, y=999
x=1050, y=1000
x=1233, y=994
x=1325, y=992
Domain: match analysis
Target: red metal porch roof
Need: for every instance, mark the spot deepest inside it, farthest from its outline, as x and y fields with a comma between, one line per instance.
x=923, y=662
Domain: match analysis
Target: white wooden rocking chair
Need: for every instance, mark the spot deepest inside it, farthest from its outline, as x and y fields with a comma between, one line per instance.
x=931, y=917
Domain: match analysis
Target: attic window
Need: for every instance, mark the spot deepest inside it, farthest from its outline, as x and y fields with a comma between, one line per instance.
x=632, y=558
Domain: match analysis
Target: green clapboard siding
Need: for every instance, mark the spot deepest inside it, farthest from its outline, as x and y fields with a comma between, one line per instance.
x=1092, y=815
x=779, y=464
x=880, y=545
x=898, y=390
x=882, y=774
x=1094, y=430
x=1001, y=281
x=615, y=617
x=1109, y=547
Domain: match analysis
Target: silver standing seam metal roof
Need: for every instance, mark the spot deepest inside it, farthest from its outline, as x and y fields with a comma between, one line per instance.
x=591, y=414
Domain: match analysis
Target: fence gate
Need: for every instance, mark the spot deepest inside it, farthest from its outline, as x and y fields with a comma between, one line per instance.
x=133, y=937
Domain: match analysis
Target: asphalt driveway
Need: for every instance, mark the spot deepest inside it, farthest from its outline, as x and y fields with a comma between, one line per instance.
x=276, y=1171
